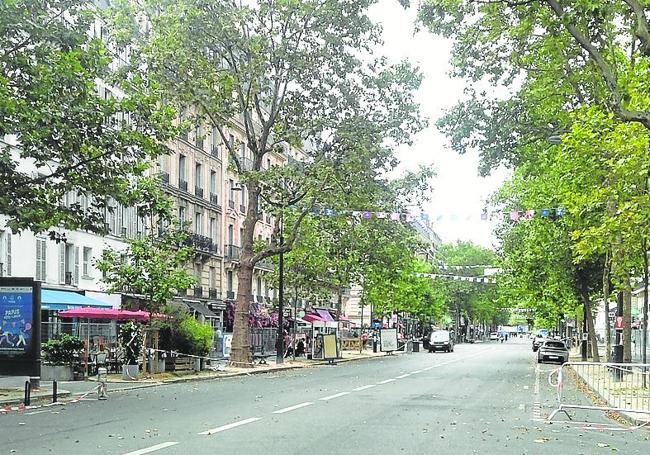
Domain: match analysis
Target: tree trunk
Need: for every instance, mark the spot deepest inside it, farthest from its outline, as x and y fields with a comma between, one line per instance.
x=240, y=355
x=606, y=293
x=627, y=325
x=595, y=355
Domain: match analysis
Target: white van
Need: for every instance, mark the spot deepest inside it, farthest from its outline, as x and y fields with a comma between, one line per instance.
x=441, y=340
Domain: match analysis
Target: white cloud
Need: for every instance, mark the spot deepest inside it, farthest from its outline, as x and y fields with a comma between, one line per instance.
x=459, y=193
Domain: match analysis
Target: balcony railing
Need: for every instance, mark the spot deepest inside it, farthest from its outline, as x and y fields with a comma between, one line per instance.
x=182, y=184
x=2, y=268
x=164, y=176
x=245, y=163
x=231, y=253
x=68, y=278
x=214, y=198
x=231, y=203
x=198, y=291
x=213, y=293
x=215, y=151
x=198, y=191
x=201, y=243
x=230, y=295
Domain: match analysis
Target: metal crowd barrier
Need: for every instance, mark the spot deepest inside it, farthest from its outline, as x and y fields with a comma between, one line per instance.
x=625, y=387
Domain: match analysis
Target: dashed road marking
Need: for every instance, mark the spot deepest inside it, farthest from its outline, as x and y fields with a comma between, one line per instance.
x=152, y=448
x=537, y=405
x=416, y=372
x=403, y=376
x=386, y=381
x=336, y=395
x=293, y=408
x=230, y=426
x=364, y=387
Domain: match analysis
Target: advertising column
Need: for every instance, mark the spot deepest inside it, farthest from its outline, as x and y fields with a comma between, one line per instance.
x=20, y=323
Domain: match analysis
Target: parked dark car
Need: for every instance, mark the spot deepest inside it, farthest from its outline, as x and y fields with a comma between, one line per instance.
x=554, y=350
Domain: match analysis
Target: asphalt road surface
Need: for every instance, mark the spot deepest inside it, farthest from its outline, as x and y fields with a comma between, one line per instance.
x=488, y=398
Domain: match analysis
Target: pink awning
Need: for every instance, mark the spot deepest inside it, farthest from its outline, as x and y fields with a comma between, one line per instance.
x=325, y=315
x=311, y=318
x=105, y=313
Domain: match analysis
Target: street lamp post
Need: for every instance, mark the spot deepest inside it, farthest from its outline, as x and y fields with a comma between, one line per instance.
x=280, y=341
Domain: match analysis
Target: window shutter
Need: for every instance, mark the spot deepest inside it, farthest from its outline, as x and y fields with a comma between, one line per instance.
x=76, y=265
x=43, y=260
x=62, y=263
x=38, y=260
x=8, y=253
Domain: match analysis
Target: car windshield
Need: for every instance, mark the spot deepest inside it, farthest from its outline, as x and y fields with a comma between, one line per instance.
x=554, y=344
x=441, y=335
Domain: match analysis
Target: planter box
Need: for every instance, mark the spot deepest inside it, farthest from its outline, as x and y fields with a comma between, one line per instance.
x=130, y=372
x=56, y=372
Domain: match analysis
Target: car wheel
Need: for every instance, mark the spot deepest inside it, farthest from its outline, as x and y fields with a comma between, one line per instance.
x=430, y=351
x=539, y=360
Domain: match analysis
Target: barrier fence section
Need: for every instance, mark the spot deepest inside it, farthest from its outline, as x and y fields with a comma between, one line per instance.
x=263, y=341
x=625, y=387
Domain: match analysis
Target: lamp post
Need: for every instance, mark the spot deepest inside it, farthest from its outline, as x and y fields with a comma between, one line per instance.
x=280, y=340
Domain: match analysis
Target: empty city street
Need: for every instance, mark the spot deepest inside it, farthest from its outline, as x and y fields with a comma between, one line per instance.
x=481, y=399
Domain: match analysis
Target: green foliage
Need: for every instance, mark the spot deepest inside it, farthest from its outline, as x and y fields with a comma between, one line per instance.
x=62, y=350
x=86, y=147
x=187, y=336
x=131, y=339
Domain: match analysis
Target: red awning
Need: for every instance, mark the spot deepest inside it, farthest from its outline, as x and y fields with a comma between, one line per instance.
x=105, y=313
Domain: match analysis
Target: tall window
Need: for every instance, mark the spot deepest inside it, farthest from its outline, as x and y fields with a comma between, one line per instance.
x=87, y=260
x=259, y=285
x=213, y=277
x=182, y=162
x=229, y=283
x=198, y=175
x=213, y=182
x=181, y=216
x=231, y=234
x=41, y=259
x=199, y=136
x=213, y=230
x=231, y=190
x=198, y=223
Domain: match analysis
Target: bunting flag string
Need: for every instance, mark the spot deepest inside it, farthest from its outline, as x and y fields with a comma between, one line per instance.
x=471, y=279
x=444, y=266
x=514, y=215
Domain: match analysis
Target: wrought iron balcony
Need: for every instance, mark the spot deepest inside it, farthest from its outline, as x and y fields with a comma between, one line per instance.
x=213, y=293
x=164, y=176
x=201, y=243
x=231, y=253
x=198, y=291
x=182, y=184
x=198, y=191
x=214, y=198
x=230, y=295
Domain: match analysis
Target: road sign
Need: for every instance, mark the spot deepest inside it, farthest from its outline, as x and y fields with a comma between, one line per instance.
x=618, y=323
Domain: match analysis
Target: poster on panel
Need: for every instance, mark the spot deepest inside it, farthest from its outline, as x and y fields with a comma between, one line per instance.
x=388, y=340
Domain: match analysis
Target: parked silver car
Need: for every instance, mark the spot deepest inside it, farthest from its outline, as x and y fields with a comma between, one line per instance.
x=552, y=350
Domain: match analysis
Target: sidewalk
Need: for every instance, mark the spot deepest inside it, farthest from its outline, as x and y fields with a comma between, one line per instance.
x=12, y=388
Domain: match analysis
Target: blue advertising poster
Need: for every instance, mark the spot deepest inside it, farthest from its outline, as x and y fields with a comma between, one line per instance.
x=16, y=320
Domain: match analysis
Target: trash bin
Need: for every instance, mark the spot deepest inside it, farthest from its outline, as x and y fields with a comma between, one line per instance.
x=617, y=356
x=416, y=346
x=409, y=346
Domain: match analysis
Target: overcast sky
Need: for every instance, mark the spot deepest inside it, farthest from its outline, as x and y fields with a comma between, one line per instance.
x=459, y=192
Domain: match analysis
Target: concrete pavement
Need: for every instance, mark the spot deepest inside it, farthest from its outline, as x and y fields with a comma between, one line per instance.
x=483, y=399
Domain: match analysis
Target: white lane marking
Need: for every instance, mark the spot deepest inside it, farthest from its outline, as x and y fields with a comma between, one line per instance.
x=152, y=448
x=230, y=426
x=416, y=371
x=403, y=376
x=428, y=368
x=359, y=389
x=537, y=405
x=386, y=381
x=37, y=412
x=293, y=408
x=336, y=395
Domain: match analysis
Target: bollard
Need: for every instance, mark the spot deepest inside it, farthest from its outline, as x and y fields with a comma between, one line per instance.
x=28, y=392
x=374, y=345
x=101, y=387
x=55, y=393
